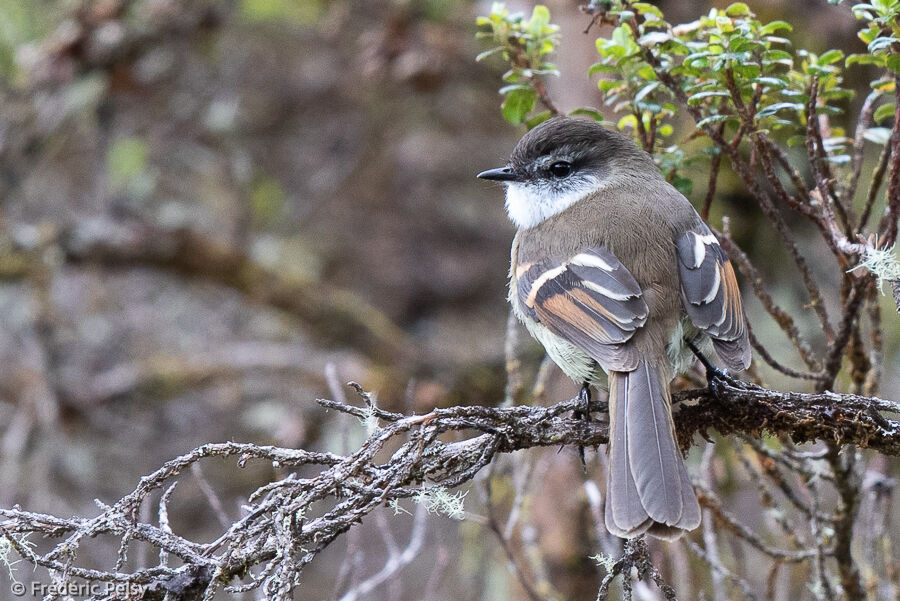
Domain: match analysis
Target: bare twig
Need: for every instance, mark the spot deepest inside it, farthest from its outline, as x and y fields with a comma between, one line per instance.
x=397, y=560
x=711, y=186
x=847, y=485
x=859, y=144
x=725, y=519
x=742, y=585
x=888, y=225
x=514, y=562
x=544, y=97
x=874, y=186
x=781, y=317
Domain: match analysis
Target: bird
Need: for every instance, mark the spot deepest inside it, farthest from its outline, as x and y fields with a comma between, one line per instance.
x=613, y=271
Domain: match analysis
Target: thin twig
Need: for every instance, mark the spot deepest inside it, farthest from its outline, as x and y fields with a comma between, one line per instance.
x=781, y=317
x=888, y=226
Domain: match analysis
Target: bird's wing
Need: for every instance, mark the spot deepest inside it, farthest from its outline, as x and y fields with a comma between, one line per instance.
x=711, y=295
x=590, y=299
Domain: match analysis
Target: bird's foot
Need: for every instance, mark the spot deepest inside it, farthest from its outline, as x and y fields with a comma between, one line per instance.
x=583, y=412
x=716, y=377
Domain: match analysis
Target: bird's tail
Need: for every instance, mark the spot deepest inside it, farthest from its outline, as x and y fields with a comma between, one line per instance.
x=647, y=486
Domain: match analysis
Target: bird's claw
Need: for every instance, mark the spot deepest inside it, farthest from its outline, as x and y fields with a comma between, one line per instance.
x=716, y=378
x=583, y=411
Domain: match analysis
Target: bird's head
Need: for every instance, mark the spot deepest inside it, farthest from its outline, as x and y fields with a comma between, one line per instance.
x=560, y=162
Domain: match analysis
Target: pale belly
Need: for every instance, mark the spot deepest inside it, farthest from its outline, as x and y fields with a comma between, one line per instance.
x=574, y=362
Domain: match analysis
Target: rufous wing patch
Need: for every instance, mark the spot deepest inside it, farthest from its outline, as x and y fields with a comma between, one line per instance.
x=590, y=300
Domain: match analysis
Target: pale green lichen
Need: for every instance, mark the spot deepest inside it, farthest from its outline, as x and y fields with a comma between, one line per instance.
x=883, y=263
x=607, y=562
x=394, y=504
x=439, y=500
x=370, y=418
x=6, y=548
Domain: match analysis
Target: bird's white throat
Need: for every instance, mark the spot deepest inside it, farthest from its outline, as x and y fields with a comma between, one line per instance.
x=529, y=204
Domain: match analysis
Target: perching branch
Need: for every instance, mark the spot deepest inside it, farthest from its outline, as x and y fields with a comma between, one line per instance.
x=288, y=522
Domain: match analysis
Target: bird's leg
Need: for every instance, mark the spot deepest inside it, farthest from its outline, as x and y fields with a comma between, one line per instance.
x=715, y=377
x=583, y=411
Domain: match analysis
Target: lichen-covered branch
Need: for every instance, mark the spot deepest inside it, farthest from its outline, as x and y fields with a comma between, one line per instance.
x=288, y=522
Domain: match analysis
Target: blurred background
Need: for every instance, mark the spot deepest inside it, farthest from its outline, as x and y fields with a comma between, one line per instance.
x=215, y=210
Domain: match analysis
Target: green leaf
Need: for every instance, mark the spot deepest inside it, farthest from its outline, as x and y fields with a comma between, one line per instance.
x=883, y=85
x=819, y=70
x=515, y=86
x=642, y=93
x=779, y=106
x=538, y=119
x=607, y=85
x=696, y=98
x=695, y=56
x=621, y=35
x=540, y=18
x=683, y=185
x=734, y=56
x=774, y=26
x=712, y=119
x=602, y=68
x=646, y=72
x=779, y=124
x=592, y=113
x=832, y=56
x=837, y=94
x=518, y=104
x=878, y=135
x=881, y=43
x=746, y=70
x=738, y=9
x=882, y=6
x=836, y=142
x=865, y=59
x=863, y=11
x=771, y=81
x=644, y=8
x=776, y=56
x=627, y=121
x=893, y=63
x=883, y=112
x=867, y=35
x=483, y=55
x=654, y=38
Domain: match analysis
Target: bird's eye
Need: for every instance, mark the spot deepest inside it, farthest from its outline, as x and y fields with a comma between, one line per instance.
x=561, y=169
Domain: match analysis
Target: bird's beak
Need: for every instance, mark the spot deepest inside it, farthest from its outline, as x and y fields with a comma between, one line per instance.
x=500, y=174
